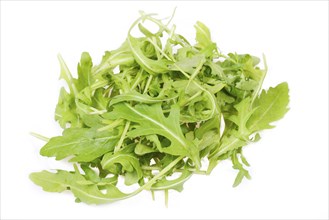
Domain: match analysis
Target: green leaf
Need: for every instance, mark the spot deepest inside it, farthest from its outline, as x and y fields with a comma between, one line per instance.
x=176, y=184
x=84, y=144
x=244, y=113
x=62, y=180
x=153, y=67
x=212, y=124
x=67, y=76
x=202, y=35
x=204, y=41
x=247, y=84
x=227, y=143
x=65, y=112
x=129, y=163
x=271, y=106
x=100, y=101
x=152, y=121
x=243, y=173
x=137, y=97
x=188, y=64
x=51, y=182
x=142, y=149
x=155, y=141
x=84, y=72
x=208, y=139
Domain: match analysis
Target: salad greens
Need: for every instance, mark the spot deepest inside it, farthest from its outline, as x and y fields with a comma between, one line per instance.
x=157, y=106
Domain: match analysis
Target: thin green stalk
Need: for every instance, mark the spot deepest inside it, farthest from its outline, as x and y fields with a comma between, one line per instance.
x=148, y=83
x=195, y=171
x=111, y=126
x=158, y=176
x=191, y=98
x=256, y=92
x=137, y=80
x=123, y=136
x=166, y=197
x=39, y=136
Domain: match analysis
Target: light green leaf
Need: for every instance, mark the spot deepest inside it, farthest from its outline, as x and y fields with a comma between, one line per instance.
x=138, y=97
x=51, y=182
x=271, y=106
x=188, y=64
x=129, y=163
x=84, y=72
x=227, y=143
x=90, y=194
x=244, y=112
x=176, y=184
x=211, y=124
x=152, y=121
x=65, y=112
x=84, y=144
x=202, y=35
x=247, y=84
x=142, y=149
x=100, y=100
x=204, y=41
x=243, y=173
x=67, y=76
x=153, y=67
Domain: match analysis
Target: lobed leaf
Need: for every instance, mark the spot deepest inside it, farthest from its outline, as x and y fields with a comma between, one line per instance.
x=271, y=106
x=63, y=180
x=152, y=121
x=129, y=163
x=83, y=144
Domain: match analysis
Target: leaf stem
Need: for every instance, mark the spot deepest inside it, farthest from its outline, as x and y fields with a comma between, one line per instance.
x=158, y=176
x=137, y=80
x=39, y=136
x=166, y=197
x=256, y=92
x=148, y=84
x=191, y=98
x=110, y=126
x=195, y=171
x=123, y=135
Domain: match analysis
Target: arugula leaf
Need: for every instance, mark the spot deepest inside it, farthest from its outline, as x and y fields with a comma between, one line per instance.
x=151, y=66
x=203, y=39
x=137, y=97
x=67, y=76
x=142, y=149
x=63, y=180
x=176, y=184
x=243, y=173
x=84, y=144
x=129, y=163
x=271, y=106
x=152, y=121
x=51, y=182
x=84, y=72
x=65, y=112
x=243, y=116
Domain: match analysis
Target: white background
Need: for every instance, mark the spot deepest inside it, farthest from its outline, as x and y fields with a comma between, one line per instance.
x=289, y=166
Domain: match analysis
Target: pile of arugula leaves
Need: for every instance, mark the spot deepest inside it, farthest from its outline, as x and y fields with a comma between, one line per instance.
x=156, y=107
